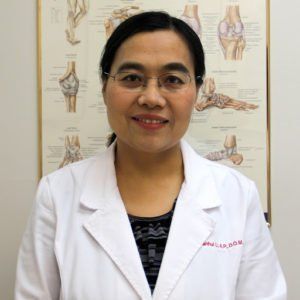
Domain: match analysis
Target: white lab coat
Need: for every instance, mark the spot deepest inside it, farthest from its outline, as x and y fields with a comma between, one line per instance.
x=79, y=244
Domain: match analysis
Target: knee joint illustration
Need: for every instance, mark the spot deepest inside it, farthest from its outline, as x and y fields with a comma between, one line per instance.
x=69, y=84
x=191, y=17
x=232, y=34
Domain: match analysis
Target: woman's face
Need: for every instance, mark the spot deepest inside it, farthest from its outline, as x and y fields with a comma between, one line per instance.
x=150, y=119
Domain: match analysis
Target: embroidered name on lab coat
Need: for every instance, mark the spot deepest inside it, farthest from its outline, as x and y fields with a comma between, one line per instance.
x=223, y=245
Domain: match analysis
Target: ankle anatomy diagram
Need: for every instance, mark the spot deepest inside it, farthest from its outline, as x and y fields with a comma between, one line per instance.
x=210, y=98
x=231, y=34
x=118, y=16
x=72, y=151
x=77, y=10
x=69, y=85
x=229, y=152
x=191, y=17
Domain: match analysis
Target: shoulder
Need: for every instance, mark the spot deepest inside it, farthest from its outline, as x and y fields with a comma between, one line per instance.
x=66, y=184
x=74, y=172
x=222, y=174
x=217, y=184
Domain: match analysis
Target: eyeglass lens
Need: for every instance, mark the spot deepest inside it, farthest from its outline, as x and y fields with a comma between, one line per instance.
x=169, y=81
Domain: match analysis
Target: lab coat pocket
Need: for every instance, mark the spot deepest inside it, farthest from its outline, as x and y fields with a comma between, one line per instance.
x=213, y=272
x=223, y=256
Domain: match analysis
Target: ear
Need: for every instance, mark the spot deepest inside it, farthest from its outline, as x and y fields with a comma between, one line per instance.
x=198, y=86
x=104, y=84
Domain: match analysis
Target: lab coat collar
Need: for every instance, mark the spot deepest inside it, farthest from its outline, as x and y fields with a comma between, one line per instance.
x=109, y=223
x=110, y=226
x=191, y=225
x=199, y=178
x=100, y=179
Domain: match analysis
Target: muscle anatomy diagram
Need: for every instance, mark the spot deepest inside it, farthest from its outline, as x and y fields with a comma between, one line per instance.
x=118, y=16
x=191, y=17
x=77, y=9
x=232, y=34
x=69, y=84
x=210, y=98
x=229, y=151
x=72, y=153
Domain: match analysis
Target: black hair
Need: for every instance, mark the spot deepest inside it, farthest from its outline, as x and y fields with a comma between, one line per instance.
x=148, y=22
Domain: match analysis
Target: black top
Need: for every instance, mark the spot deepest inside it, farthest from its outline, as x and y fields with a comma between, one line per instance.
x=151, y=234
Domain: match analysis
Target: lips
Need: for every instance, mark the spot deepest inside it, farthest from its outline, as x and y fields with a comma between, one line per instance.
x=149, y=121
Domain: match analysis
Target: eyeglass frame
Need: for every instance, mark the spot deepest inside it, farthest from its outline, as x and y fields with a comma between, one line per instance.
x=157, y=78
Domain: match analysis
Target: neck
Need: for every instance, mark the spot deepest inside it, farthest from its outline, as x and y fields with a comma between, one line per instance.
x=130, y=161
x=156, y=176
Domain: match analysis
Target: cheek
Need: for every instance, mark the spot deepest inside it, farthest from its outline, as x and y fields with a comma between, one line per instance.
x=117, y=105
x=111, y=105
x=186, y=106
x=183, y=116
x=111, y=97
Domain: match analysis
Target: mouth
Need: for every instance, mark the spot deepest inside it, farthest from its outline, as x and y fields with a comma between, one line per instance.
x=150, y=122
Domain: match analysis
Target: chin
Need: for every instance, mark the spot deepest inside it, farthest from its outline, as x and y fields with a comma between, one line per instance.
x=154, y=147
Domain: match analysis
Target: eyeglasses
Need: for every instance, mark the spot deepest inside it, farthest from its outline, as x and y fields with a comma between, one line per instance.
x=170, y=82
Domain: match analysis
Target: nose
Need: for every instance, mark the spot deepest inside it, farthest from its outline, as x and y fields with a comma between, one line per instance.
x=151, y=95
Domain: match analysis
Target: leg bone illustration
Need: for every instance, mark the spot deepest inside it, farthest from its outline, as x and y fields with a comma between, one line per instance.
x=229, y=151
x=191, y=17
x=232, y=34
x=210, y=98
x=72, y=153
x=118, y=16
x=69, y=84
x=77, y=9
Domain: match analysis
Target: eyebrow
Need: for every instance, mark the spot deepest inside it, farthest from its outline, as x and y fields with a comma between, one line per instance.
x=131, y=65
x=175, y=66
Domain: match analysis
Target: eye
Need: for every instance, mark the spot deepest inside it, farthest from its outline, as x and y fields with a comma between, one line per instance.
x=130, y=77
x=130, y=80
x=173, y=80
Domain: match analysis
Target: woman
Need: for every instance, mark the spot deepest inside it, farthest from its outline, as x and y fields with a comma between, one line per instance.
x=102, y=228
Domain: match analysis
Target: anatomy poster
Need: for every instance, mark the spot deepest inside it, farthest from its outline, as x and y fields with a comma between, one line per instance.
x=229, y=122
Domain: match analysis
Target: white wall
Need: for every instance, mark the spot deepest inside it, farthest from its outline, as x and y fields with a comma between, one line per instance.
x=19, y=139
x=285, y=134
x=18, y=130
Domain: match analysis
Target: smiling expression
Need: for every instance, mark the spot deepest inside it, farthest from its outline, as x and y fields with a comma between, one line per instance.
x=151, y=119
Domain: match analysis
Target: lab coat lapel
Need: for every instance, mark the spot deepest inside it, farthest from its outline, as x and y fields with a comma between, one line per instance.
x=109, y=224
x=191, y=224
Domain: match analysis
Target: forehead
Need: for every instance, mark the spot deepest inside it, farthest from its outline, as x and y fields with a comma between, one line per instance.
x=153, y=50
